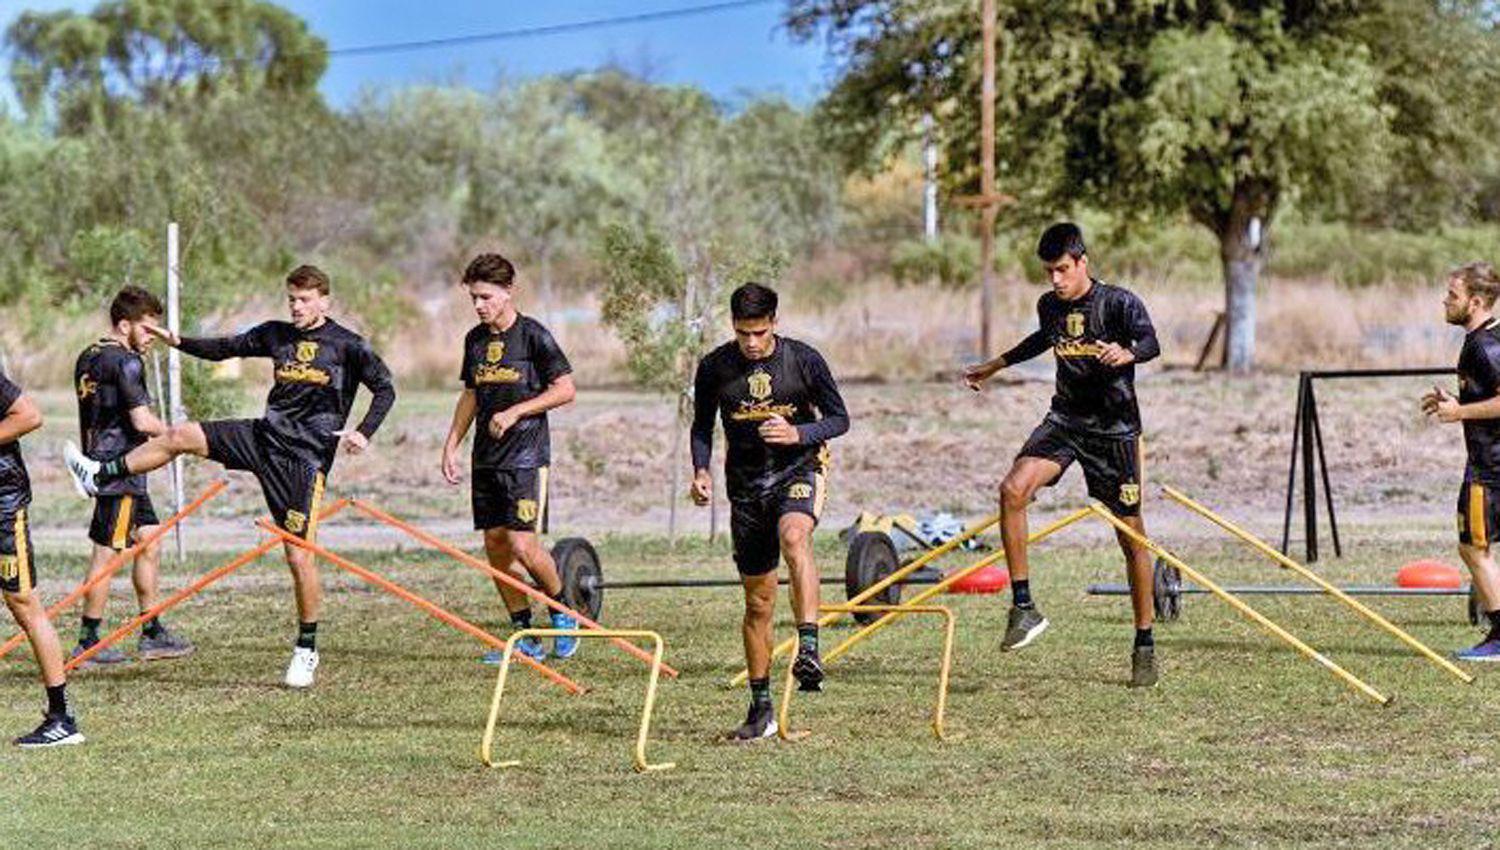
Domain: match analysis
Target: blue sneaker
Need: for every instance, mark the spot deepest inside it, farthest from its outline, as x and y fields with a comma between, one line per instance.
x=564, y=647
x=527, y=646
x=1485, y=650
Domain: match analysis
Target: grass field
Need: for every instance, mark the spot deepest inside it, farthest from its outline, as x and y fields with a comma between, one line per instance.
x=1244, y=742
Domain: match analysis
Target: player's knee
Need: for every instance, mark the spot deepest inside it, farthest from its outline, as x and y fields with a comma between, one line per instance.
x=794, y=536
x=1015, y=493
x=20, y=604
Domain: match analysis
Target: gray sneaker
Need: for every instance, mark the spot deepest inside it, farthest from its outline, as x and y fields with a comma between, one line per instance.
x=104, y=657
x=1143, y=667
x=1025, y=625
x=165, y=645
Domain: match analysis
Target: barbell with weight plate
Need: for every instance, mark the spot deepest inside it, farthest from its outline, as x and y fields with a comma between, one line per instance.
x=1169, y=590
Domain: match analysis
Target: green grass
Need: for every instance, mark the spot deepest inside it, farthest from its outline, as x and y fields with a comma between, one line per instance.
x=1244, y=743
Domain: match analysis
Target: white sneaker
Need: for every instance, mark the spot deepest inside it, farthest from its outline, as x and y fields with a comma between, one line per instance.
x=81, y=469
x=299, y=673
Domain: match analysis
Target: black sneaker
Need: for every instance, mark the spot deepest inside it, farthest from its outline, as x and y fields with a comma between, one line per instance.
x=759, y=723
x=808, y=670
x=55, y=731
x=166, y=644
x=1024, y=626
x=1143, y=673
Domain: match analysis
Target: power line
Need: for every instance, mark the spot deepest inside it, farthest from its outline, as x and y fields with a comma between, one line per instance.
x=549, y=29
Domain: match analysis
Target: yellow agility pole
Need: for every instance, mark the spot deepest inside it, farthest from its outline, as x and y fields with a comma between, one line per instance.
x=1234, y=602
x=917, y=563
x=783, y=725
x=929, y=592
x=1359, y=607
x=658, y=647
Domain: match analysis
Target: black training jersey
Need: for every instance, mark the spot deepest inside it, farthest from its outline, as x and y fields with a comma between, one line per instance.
x=15, y=484
x=317, y=372
x=110, y=380
x=793, y=383
x=505, y=368
x=1091, y=397
x=1479, y=380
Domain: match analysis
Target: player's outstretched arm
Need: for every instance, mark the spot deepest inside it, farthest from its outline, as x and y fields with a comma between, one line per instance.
x=1032, y=346
x=252, y=343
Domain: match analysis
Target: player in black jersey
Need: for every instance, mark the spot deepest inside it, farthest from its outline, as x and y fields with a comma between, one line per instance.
x=513, y=373
x=1470, y=303
x=114, y=416
x=779, y=406
x=19, y=416
x=1097, y=333
x=318, y=366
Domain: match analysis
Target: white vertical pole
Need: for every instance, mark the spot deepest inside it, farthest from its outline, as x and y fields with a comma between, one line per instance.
x=929, y=181
x=174, y=370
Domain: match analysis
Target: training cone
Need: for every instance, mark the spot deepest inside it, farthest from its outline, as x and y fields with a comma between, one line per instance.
x=1430, y=574
x=984, y=580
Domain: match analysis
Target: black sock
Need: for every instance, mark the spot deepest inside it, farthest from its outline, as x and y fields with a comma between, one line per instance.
x=1020, y=593
x=760, y=691
x=1143, y=638
x=111, y=470
x=307, y=635
x=153, y=627
x=1494, y=625
x=807, y=637
x=89, y=634
x=57, y=700
x=521, y=619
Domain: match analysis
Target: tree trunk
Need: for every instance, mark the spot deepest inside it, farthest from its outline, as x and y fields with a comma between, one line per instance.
x=1241, y=241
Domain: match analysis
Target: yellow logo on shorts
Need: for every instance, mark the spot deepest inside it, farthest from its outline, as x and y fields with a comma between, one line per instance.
x=760, y=386
x=494, y=351
x=1130, y=494
x=296, y=521
x=306, y=351
x=800, y=490
x=10, y=567
x=1075, y=324
x=526, y=510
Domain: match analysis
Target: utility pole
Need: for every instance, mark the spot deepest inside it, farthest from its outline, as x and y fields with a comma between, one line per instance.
x=988, y=200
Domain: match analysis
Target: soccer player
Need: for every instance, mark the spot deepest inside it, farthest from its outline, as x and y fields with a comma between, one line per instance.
x=114, y=416
x=18, y=572
x=1097, y=334
x=513, y=373
x=318, y=365
x=779, y=406
x=1470, y=303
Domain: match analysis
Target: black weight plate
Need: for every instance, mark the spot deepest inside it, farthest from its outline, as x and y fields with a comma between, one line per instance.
x=872, y=557
x=582, y=576
x=1166, y=591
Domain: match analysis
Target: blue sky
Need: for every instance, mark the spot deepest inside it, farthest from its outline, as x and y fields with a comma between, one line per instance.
x=727, y=53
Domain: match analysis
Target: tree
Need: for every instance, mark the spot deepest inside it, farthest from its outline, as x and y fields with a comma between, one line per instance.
x=157, y=53
x=1222, y=111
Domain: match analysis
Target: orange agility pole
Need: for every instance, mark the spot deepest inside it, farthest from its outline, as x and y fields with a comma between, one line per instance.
x=203, y=581
x=427, y=606
x=114, y=564
x=464, y=557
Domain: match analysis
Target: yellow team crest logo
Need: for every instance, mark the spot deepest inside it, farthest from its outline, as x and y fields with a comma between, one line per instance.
x=1130, y=494
x=306, y=351
x=296, y=522
x=86, y=387
x=494, y=351
x=10, y=567
x=800, y=490
x=760, y=386
x=1074, y=325
x=526, y=510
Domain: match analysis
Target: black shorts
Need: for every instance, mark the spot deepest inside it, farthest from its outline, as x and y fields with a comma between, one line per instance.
x=116, y=519
x=1478, y=514
x=17, y=572
x=510, y=498
x=1111, y=465
x=754, y=523
x=292, y=486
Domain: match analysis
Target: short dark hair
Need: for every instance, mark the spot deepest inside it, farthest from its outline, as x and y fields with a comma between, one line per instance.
x=308, y=277
x=753, y=301
x=1065, y=237
x=490, y=268
x=132, y=304
x=1478, y=278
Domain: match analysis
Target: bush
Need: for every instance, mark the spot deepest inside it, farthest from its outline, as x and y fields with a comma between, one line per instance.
x=952, y=261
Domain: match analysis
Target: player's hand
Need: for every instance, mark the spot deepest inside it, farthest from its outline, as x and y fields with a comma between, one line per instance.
x=502, y=422
x=354, y=442
x=778, y=432
x=702, y=489
x=1430, y=400
x=1447, y=410
x=162, y=333
x=451, y=472
x=976, y=375
x=1114, y=355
